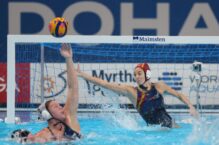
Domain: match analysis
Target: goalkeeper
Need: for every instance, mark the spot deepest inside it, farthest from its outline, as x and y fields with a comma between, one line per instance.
x=147, y=97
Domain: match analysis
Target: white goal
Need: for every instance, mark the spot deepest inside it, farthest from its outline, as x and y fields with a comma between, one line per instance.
x=36, y=71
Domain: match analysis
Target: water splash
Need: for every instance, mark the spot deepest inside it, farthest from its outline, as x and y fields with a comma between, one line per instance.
x=204, y=132
x=120, y=117
x=124, y=119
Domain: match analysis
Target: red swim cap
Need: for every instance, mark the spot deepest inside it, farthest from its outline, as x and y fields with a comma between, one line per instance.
x=145, y=67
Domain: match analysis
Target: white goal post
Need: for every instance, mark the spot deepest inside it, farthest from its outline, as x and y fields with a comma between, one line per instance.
x=12, y=40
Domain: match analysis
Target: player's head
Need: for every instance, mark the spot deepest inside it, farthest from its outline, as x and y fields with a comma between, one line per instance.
x=51, y=109
x=142, y=73
x=20, y=135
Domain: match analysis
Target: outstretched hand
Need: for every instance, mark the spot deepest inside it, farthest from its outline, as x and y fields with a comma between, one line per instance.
x=66, y=50
x=193, y=112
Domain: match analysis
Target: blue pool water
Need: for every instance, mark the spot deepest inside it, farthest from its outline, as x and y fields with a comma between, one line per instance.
x=129, y=130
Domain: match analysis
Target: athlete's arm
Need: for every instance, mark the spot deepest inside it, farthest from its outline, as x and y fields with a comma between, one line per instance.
x=41, y=137
x=71, y=104
x=166, y=89
x=117, y=88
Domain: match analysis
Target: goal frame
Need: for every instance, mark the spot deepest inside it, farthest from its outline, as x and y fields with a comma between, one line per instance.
x=13, y=39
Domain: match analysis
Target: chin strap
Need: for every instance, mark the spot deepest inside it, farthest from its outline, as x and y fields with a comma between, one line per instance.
x=143, y=87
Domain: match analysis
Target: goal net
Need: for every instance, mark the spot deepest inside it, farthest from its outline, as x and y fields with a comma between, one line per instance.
x=36, y=71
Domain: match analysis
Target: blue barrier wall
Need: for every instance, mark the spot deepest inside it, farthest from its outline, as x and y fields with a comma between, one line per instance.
x=124, y=53
x=109, y=17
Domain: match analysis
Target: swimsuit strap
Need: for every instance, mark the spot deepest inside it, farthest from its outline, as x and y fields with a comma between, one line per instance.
x=51, y=132
x=73, y=132
x=66, y=130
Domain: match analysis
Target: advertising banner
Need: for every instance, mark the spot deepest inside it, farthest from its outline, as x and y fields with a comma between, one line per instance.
x=22, y=83
x=178, y=76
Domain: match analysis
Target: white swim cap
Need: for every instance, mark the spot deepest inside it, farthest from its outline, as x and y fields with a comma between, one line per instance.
x=44, y=113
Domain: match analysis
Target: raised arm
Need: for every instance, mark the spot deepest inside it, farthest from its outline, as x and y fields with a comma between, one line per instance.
x=180, y=96
x=115, y=87
x=71, y=104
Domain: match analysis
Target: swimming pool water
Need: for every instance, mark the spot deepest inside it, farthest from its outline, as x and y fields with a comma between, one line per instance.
x=126, y=130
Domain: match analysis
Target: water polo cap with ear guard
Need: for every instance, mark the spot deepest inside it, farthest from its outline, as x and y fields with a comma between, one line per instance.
x=43, y=110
